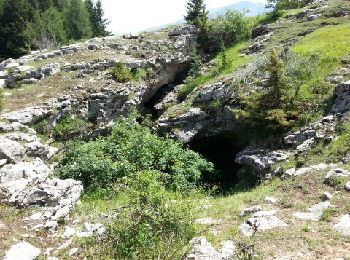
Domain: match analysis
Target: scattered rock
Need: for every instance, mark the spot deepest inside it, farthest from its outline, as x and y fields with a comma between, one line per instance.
x=73, y=251
x=347, y=187
x=11, y=150
x=208, y=221
x=334, y=173
x=293, y=172
x=260, y=160
x=314, y=213
x=271, y=200
x=251, y=210
x=343, y=226
x=326, y=196
x=203, y=250
x=69, y=232
x=91, y=229
x=261, y=221
x=22, y=251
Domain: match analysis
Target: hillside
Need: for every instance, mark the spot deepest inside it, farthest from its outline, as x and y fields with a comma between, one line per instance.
x=125, y=147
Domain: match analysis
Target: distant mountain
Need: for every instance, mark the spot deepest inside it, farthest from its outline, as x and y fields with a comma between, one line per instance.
x=252, y=8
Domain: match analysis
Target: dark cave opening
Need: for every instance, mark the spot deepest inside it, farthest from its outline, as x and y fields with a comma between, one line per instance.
x=221, y=151
x=150, y=104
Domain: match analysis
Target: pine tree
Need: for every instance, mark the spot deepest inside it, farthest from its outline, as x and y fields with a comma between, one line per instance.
x=77, y=22
x=196, y=12
x=47, y=29
x=97, y=21
x=14, y=41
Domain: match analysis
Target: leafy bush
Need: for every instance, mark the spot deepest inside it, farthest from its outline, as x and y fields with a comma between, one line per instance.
x=42, y=126
x=129, y=149
x=121, y=73
x=228, y=29
x=154, y=223
x=67, y=127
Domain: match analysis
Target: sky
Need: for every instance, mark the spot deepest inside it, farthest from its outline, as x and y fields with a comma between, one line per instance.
x=137, y=15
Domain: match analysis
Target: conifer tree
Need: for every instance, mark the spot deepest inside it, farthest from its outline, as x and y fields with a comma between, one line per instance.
x=14, y=41
x=196, y=12
x=97, y=20
x=77, y=22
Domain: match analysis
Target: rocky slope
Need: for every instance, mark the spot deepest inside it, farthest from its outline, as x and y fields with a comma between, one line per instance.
x=74, y=80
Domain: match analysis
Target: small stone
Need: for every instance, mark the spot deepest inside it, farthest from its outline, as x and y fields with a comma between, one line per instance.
x=51, y=225
x=326, y=196
x=228, y=249
x=334, y=173
x=347, y=187
x=68, y=232
x=22, y=251
x=343, y=227
x=314, y=213
x=73, y=251
x=271, y=200
x=208, y=221
x=251, y=210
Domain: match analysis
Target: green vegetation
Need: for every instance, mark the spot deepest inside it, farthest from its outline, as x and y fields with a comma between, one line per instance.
x=153, y=224
x=218, y=71
x=287, y=4
x=34, y=24
x=129, y=149
x=67, y=127
x=196, y=13
x=121, y=73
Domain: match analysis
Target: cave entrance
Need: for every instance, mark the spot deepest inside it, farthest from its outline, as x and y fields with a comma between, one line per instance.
x=221, y=151
x=150, y=105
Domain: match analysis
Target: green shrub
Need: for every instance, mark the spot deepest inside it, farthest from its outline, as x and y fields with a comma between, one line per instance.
x=328, y=214
x=154, y=223
x=121, y=73
x=67, y=127
x=139, y=74
x=196, y=65
x=42, y=126
x=129, y=149
x=228, y=29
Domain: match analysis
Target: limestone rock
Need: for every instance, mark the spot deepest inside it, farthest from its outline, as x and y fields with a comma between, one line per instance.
x=335, y=173
x=202, y=250
x=184, y=30
x=326, y=196
x=347, y=187
x=22, y=251
x=260, y=160
x=343, y=226
x=293, y=172
x=342, y=98
x=271, y=200
x=251, y=210
x=261, y=221
x=314, y=213
x=208, y=221
x=303, y=139
x=11, y=150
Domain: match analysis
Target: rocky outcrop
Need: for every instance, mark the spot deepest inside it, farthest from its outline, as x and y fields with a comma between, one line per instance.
x=260, y=160
x=342, y=98
x=343, y=226
x=203, y=250
x=307, y=136
x=25, y=176
x=23, y=251
x=261, y=221
x=313, y=213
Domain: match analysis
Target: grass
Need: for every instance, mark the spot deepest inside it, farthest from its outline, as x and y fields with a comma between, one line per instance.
x=217, y=72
